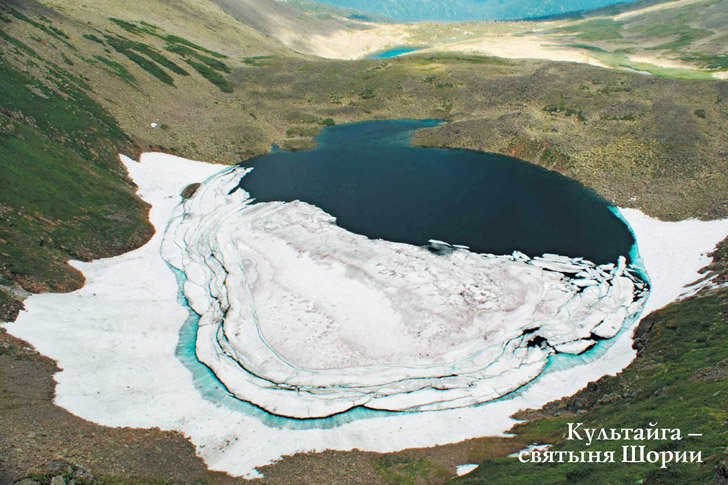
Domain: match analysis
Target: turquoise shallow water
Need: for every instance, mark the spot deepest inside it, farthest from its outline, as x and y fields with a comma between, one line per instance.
x=393, y=139
x=462, y=10
x=394, y=52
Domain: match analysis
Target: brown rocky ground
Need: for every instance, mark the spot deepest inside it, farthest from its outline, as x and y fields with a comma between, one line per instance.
x=36, y=432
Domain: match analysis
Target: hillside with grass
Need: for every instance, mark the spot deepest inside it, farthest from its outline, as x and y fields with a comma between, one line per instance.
x=84, y=81
x=65, y=194
x=673, y=34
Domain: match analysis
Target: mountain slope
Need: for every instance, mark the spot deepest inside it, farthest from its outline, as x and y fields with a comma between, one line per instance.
x=326, y=10
x=330, y=36
x=270, y=18
x=65, y=194
x=676, y=34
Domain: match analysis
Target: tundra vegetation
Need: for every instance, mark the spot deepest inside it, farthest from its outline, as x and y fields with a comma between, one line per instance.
x=78, y=86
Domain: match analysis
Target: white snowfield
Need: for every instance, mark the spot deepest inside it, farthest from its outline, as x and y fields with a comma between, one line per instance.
x=115, y=339
x=306, y=319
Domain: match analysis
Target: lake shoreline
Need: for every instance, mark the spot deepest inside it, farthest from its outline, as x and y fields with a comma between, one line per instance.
x=92, y=392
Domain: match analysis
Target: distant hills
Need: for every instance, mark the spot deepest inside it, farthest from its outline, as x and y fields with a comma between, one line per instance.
x=460, y=10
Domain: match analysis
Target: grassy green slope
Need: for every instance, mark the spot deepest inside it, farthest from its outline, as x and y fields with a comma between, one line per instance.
x=63, y=193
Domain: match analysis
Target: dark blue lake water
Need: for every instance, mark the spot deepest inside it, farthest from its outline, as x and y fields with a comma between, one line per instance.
x=375, y=183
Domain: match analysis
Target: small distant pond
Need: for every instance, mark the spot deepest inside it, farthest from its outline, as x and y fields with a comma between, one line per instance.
x=376, y=183
x=394, y=52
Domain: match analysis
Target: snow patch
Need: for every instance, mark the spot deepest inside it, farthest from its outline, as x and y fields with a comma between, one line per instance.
x=465, y=469
x=116, y=338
